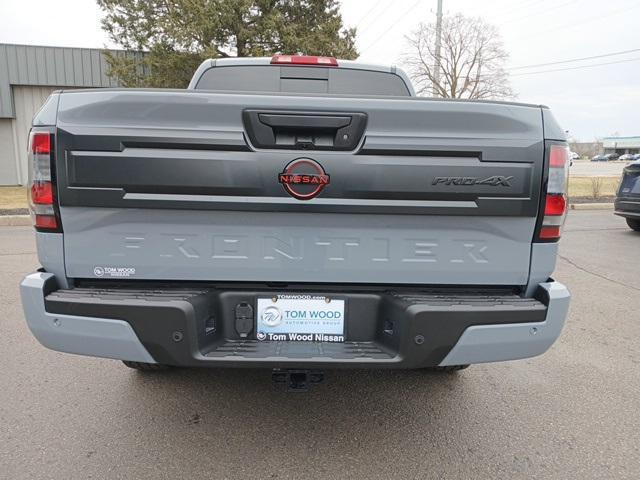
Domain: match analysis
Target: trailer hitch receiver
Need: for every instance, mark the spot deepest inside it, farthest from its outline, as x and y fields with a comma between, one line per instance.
x=297, y=380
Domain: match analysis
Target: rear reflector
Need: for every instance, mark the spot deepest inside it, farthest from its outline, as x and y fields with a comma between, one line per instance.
x=555, y=202
x=46, y=221
x=304, y=60
x=550, y=232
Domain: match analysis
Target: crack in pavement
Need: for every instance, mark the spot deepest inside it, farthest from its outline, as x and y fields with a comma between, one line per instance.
x=16, y=254
x=595, y=274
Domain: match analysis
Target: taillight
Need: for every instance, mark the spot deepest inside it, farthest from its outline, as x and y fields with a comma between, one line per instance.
x=41, y=187
x=304, y=60
x=555, y=200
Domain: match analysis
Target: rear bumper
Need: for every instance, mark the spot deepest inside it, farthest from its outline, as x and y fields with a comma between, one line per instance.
x=195, y=325
x=96, y=337
x=628, y=207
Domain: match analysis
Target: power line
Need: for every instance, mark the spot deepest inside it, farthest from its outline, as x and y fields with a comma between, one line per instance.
x=519, y=6
x=375, y=5
x=586, y=20
x=391, y=26
x=576, y=68
x=575, y=59
x=535, y=14
x=374, y=19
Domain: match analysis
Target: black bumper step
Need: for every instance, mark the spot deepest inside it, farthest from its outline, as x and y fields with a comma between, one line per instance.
x=465, y=299
x=307, y=350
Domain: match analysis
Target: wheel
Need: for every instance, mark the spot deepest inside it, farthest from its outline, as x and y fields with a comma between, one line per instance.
x=448, y=368
x=634, y=224
x=145, y=367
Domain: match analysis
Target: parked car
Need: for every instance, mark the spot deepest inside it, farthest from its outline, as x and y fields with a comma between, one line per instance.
x=626, y=156
x=250, y=220
x=611, y=156
x=574, y=156
x=627, y=203
x=636, y=156
x=599, y=158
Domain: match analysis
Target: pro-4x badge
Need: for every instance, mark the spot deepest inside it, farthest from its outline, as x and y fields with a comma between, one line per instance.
x=304, y=178
x=494, y=181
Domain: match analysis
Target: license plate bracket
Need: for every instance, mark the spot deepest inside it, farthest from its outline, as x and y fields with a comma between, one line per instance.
x=301, y=318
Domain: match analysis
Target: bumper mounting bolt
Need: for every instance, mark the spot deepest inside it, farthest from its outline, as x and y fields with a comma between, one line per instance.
x=419, y=339
x=177, y=336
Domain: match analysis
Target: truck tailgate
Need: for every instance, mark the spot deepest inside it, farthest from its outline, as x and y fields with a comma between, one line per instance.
x=167, y=185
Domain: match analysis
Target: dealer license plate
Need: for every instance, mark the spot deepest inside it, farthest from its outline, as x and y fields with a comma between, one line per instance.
x=300, y=318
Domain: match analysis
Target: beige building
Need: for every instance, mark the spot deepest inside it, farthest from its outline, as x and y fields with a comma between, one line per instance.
x=621, y=145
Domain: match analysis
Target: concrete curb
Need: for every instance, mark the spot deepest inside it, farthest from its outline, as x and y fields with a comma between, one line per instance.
x=591, y=206
x=15, y=221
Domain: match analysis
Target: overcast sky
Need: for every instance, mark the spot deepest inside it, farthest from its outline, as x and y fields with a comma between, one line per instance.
x=589, y=102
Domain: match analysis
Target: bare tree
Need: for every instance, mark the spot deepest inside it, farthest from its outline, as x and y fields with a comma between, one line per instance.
x=472, y=60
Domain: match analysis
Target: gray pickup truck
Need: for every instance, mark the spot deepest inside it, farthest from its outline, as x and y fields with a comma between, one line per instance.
x=295, y=213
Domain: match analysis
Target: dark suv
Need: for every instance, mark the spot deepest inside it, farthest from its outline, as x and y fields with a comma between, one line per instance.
x=627, y=203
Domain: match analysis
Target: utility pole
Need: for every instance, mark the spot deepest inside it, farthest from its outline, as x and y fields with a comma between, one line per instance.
x=436, y=68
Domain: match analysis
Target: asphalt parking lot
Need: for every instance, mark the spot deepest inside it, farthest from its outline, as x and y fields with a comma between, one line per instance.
x=572, y=413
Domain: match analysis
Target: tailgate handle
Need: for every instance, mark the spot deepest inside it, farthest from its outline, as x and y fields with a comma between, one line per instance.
x=307, y=122
x=304, y=130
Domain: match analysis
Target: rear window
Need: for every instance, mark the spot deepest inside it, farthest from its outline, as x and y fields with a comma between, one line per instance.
x=275, y=78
